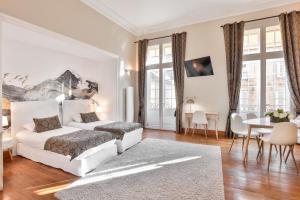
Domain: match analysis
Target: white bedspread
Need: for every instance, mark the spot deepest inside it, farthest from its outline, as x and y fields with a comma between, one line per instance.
x=38, y=140
x=89, y=126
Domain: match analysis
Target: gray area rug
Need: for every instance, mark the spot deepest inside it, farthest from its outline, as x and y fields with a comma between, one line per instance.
x=154, y=169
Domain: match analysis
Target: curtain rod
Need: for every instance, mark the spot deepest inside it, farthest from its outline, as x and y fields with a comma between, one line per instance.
x=258, y=19
x=156, y=38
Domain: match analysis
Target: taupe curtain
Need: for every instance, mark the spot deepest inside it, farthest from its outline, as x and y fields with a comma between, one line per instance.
x=178, y=53
x=142, y=55
x=233, y=36
x=290, y=30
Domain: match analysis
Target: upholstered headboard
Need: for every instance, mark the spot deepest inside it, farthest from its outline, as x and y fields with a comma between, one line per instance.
x=73, y=107
x=24, y=112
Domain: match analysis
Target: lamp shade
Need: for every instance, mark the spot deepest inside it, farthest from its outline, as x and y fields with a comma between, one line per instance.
x=4, y=121
x=190, y=101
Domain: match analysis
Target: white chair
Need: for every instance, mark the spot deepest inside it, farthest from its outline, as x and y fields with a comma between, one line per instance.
x=199, y=118
x=283, y=134
x=240, y=129
x=261, y=131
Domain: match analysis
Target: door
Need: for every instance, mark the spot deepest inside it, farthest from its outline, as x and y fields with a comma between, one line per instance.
x=160, y=90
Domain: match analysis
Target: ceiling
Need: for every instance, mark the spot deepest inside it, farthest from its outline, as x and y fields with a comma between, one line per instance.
x=52, y=41
x=146, y=16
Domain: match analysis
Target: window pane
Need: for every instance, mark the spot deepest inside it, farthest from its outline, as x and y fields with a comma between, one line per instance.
x=252, y=41
x=169, y=100
x=249, y=101
x=152, y=55
x=167, y=53
x=277, y=94
x=273, y=39
x=152, y=98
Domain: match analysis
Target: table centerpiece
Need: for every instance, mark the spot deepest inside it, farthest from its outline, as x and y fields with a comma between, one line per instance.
x=279, y=115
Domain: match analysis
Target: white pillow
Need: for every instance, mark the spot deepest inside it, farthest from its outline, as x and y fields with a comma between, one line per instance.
x=29, y=126
x=77, y=118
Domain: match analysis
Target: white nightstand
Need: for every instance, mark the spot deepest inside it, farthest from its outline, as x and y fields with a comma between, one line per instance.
x=7, y=142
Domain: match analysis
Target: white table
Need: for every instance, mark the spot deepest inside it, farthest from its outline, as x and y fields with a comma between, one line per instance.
x=258, y=123
x=214, y=116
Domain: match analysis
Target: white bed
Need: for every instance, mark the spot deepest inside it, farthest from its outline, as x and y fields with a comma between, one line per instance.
x=30, y=144
x=75, y=107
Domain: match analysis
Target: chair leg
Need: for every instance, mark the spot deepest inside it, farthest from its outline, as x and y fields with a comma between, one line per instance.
x=259, y=148
x=257, y=140
x=287, y=156
x=276, y=148
x=232, y=142
x=243, y=143
x=205, y=131
x=10, y=154
x=195, y=125
x=270, y=156
x=284, y=150
x=292, y=153
x=262, y=148
x=280, y=152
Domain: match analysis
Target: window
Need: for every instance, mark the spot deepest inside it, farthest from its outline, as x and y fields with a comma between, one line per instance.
x=252, y=41
x=152, y=55
x=160, y=90
x=264, y=79
x=273, y=39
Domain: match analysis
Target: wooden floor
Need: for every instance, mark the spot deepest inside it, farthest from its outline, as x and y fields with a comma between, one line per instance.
x=24, y=179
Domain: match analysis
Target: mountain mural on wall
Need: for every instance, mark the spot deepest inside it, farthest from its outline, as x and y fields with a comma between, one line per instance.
x=15, y=88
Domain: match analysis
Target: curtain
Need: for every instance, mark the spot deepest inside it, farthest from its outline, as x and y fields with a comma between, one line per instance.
x=233, y=36
x=178, y=53
x=290, y=31
x=142, y=54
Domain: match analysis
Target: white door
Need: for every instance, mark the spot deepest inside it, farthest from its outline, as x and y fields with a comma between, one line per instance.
x=160, y=90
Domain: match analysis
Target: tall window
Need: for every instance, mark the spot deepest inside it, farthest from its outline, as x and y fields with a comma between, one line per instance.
x=160, y=96
x=264, y=79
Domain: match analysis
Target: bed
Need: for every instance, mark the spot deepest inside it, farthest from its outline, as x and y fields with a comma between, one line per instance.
x=30, y=144
x=75, y=107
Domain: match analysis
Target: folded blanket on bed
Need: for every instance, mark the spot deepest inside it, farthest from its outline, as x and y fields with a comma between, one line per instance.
x=119, y=128
x=73, y=144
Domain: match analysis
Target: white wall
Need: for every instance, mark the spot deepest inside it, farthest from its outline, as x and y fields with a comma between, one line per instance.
x=206, y=39
x=42, y=63
x=79, y=22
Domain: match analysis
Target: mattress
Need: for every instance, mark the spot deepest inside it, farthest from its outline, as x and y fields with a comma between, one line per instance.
x=89, y=126
x=38, y=140
x=130, y=139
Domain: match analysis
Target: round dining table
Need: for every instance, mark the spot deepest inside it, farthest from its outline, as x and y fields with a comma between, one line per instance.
x=259, y=123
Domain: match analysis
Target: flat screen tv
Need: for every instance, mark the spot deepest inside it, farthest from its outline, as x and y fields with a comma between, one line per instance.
x=199, y=67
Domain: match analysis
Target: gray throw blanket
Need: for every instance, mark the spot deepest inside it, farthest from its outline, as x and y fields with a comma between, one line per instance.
x=119, y=128
x=73, y=144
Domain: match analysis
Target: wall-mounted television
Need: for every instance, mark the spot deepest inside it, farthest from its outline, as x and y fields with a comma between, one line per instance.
x=199, y=67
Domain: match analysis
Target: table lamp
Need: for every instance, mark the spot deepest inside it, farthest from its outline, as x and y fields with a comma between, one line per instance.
x=190, y=102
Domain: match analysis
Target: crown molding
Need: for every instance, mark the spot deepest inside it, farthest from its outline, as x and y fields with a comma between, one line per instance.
x=188, y=22
x=106, y=11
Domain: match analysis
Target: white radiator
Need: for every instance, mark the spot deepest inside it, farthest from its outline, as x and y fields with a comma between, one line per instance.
x=129, y=104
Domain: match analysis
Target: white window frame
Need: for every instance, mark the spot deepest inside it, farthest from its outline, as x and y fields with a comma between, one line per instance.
x=161, y=66
x=263, y=56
